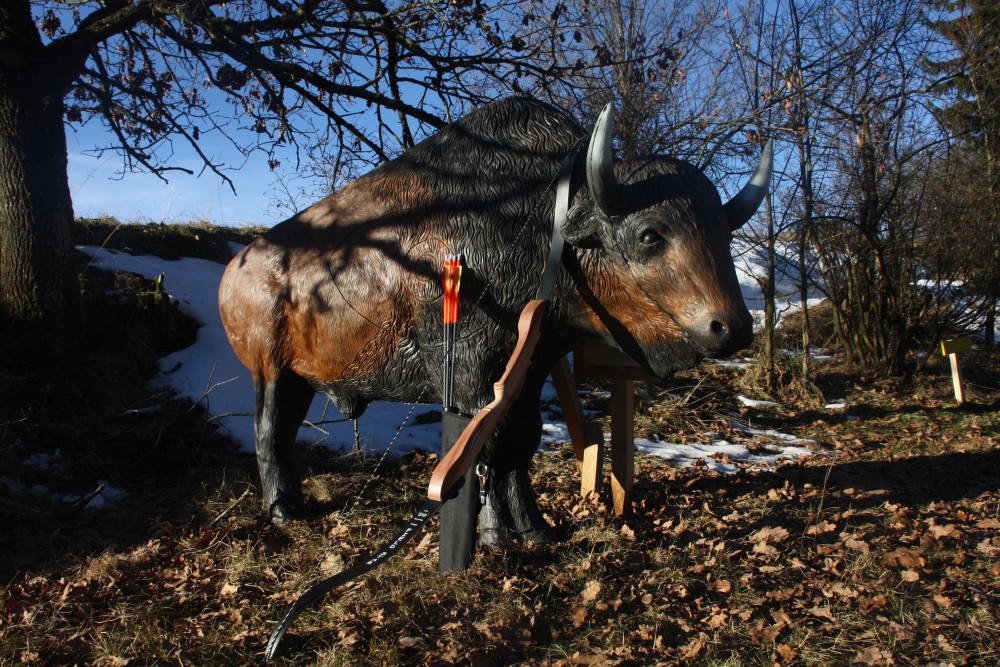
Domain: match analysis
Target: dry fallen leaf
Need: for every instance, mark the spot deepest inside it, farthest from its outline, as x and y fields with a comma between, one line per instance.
x=872, y=655
x=781, y=617
x=942, y=601
x=719, y=618
x=693, y=647
x=820, y=528
x=842, y=590
x=822, y=612
x=856, y=545
x=786, y=653
x=948, y=530
x=331, y=564
x=722, y=586
x=765, y=549
x=591, y=591
x=769, y=534
x=903, y=558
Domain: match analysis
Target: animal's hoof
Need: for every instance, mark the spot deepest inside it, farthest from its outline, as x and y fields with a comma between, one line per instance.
x=504, y=537
x=281, y=513
x=495, y=537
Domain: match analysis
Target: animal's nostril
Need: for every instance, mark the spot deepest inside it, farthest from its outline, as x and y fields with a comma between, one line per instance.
x=720, y=334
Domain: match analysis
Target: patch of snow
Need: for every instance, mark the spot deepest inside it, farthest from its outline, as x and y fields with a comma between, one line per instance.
x=815, y=355
x=740, y=364
x=549, y=391
x=722, y=456
x=771, y=433
x=753, y=403
x=553, y=432
x=109, y=495
x=836, y=405
x=595, y=394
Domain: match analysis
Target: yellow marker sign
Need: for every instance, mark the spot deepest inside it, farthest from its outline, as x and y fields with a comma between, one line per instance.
x=956, y=345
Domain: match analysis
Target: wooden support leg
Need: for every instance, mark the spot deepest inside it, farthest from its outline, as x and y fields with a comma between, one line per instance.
x=587, y=437
x=956, y=378
x=622, y=444
x=592, y=466
x=569, y=401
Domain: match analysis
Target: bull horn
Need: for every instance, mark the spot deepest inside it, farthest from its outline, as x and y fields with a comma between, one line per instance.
x=601, y=181
x=745, y=203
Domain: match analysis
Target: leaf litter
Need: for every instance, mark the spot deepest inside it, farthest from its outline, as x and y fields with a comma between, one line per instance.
x=887, y=553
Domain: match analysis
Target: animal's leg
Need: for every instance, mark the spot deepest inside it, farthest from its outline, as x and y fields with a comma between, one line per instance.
x=282, y=404
x=510, y=512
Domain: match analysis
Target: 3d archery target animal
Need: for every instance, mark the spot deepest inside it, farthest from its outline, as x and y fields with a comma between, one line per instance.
x=344, y=298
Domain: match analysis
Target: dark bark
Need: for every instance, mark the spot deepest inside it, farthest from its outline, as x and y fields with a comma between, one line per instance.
x=36, y=272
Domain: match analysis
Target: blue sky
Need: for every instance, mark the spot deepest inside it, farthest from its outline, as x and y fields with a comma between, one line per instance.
x=99, y=187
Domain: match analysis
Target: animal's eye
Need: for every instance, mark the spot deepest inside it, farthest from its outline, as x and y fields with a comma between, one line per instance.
x=650, y=237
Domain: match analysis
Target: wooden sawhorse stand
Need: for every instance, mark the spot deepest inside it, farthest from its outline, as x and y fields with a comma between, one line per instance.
x=594, y=360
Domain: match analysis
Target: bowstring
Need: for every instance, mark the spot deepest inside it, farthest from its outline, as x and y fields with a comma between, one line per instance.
x=399, y=429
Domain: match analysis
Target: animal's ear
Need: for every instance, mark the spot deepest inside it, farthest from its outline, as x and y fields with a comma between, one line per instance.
x=582, y=229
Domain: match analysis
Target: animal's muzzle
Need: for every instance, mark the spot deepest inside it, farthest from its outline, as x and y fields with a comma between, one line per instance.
x=721, y=334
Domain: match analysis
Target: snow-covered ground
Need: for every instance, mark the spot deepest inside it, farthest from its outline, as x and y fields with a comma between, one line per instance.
x=209, y=373
x=751, y=266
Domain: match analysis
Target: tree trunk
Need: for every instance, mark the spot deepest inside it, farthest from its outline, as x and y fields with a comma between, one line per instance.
x=36, y=277
x=770, y=311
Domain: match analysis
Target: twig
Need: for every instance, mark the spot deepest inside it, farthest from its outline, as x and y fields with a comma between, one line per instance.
x=94, y=258
x=822, y=493
x=230, y=508
x=328, y=421
x=228, y=414
x=209, y=387
x=688, y=396
x=85, y=500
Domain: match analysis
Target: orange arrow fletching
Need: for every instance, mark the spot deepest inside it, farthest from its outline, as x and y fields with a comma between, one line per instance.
x=451, y=276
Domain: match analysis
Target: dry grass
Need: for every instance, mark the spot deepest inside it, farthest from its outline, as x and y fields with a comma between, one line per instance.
x=889, y=554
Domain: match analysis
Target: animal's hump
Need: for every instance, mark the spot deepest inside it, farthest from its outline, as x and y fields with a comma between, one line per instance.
x=518, y=126
x=522, y=121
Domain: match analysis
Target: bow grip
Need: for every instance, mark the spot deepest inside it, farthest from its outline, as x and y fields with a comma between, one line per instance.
x=460, y=458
